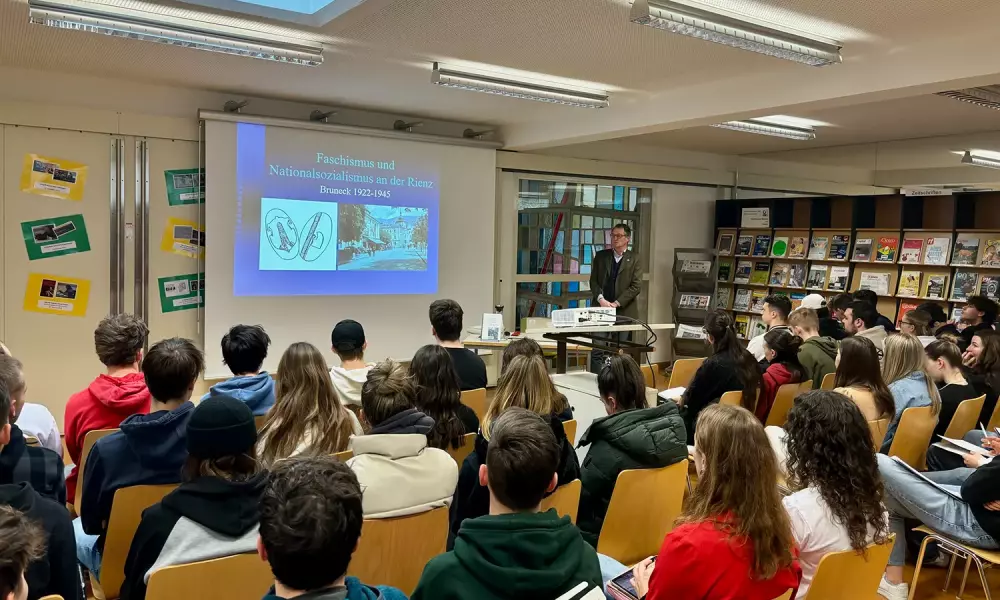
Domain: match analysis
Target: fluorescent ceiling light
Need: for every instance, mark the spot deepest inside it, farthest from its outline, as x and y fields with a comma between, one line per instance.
x=739, y=31
x=491, y=84
x=979, y=160
x=764, y=128
x=987, y=97
x=192, y=34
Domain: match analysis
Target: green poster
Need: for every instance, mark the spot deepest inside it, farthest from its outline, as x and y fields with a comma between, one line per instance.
x=181, y=292
x=56, y=236
x=185, y=186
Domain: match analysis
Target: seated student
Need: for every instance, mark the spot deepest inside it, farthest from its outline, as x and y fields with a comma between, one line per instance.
x=115, y=395
x=244, y=349
x=24, y=543
x=982, y=369
x=733, y=538
x=969, y=516
x=525, y=346
x=446, y=327
x=860, y=320
x=937, y=316
x=439, y=397
x=775, y=316
x=348, y=342
x=828, y=447
x=310, y=524
x=979, y=314
x=917, y=322
x=36, y=421
x=398, y=472
x=944, y=365
x=831, y=324
x=515, y=551
x=729, y=368
x=632, y=436
x=213, y=513
x=781, y=349
x=870, y=298
x=19, y=462
x=817, y=354
x=307, y=417
x=524, y=383
x=859, y=377
x=905, y=373
x=55, y=571
x=149, y=449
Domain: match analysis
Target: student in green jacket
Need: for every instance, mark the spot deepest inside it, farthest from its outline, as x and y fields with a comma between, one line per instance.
x=515, y=552
x=817, y=354
x=632, y=436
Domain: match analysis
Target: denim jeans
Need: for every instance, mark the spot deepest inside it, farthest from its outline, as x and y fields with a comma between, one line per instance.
x=942, y=460
x=909, y=497
x=86, y=549
x=610, y=568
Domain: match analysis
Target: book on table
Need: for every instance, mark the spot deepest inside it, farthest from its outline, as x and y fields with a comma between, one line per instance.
x=912, y=251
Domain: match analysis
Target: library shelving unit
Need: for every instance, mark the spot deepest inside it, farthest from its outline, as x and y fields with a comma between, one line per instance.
x=695, y=272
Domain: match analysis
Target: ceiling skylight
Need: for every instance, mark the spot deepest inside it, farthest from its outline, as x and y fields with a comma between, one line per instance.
x=305, y=12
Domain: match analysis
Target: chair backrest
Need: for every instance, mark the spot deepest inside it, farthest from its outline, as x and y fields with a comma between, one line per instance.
x=913, y=436
x=88, y=444
x=344, y=456
x=468, y=445
x=786, y=596
x=735, y=398
x=394, y=551
x=879, y=429
x=566, y=500
x=848, y=575
x=828, y=380
x=476, y=400
x=783, y=403
x=570, y=428
x=966, y=417
x=995, y=419
x=683, y=372
x=647, y=375
x=240, y=577
x=643, y=508
x=805, y=386
x=126, y=513
x=259, y=421
x=52, y=597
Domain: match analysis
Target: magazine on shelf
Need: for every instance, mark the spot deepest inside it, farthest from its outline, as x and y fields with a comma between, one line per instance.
x=936, y=287
x=966, y=251
x=991, y=254
x=862, y=250
x=838, y=248
x=690, y=332
x=885, y=251
x=964, y=285
x=936, y=250
x=696, y=266
x=725, y=270
x=797, y=276
x=838, y=278
x=797, y=247
x=909, y=283
x=742, y=325
x=913, y=249
x=761, y=269
x=989, y=286
x=723, y=297
x=876, y=282
x=744, y=269
x=757, y=301
x=779, y=274
x=817, y=277
x=779, y=248
x=756, y=327
x=761, y=245
x=695, y=301
x=797, y=298
x=725, y=245
x=817, y=248
x=742, y=301
x=744, y=245
x=904, y=307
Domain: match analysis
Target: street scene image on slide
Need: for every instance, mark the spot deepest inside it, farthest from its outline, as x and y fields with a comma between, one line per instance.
x=297, y=235
x=373, y=237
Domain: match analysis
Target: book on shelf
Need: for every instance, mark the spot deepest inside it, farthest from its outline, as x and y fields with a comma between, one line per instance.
x=756, y=327
x=904, y=307
x=797, y=298
x=838, y=247
x=796, y=247
x=725, y=244
x=936, y=250
x=742, y=299
x=761, y=244
x=966, y=251
x=862, y=250
x=696, y=266
x=761, y=269
x=723, y=297
x=935, y=286
x=838, y=279
x=779, y=248
x=744, y=245
x=725, y=270
x=695, y=301
x=744, y=268
x=885, y=251
x=742, y=324
x=964, y=285
x=779, y=274
x=818, y=246
x=876, y=282
x=797, y=276
x=909, y=283
x=991, y=254
x=757, y=301
x=817, y=277
x=913, y=249
x=989, y=286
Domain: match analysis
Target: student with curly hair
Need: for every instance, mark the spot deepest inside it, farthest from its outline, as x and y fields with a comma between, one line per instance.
x=838, y=505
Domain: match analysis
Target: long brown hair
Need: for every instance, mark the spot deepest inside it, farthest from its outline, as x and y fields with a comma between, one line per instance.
x=737, y=490
x=988, y=363
x=859, y=368
x=439, y=395
x=306, y=403
x=524, y=383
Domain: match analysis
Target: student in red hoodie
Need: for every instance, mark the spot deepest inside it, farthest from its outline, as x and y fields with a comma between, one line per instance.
x=781, y=349
x=115, y=395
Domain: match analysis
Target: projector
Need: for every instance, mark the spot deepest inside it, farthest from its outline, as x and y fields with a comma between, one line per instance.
x=573, y=317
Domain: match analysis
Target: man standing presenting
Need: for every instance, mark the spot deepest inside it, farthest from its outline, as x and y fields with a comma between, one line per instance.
x=615, y=279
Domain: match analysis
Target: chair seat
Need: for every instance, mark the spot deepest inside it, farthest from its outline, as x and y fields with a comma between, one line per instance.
x=991, y=556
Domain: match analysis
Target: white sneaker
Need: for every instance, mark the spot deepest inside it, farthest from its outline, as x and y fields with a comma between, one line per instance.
x=893, y=591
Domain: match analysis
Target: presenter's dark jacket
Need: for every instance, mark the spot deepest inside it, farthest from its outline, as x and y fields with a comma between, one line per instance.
x=626, y=285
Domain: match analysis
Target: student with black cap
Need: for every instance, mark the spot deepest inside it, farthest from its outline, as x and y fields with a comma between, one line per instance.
x=213, y=513
x=348, y=341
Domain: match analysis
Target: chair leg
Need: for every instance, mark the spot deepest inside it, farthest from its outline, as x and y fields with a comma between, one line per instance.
x=916, y=571
x=965, y=576
x=982, y=576
x=951, y=569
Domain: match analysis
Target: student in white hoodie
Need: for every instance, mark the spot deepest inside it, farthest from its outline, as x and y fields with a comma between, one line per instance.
x=348, y=343
x=860, y=319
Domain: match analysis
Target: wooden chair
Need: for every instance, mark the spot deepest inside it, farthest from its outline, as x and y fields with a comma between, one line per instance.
x=683, y=372
x=984, y=559
x=476, y=400
x=735, y=398
x=240, y=577
x=468, y=445
x=394, y=551
x=570, y=428
x=966, y=417
x=848, y=575
x=828, y=380
x=126, y=513
x=52, y=597
x=913, y=436
x=642, y=512
x=786, y=596
x=566, y=500
x=783, y=401
x=994, y=419
x=649, y=375
x=878, y=428
x=805, y=386
x=88, y=444
x=344, y=456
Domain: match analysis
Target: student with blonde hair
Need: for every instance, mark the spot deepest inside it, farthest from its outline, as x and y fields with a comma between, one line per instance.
x=307, y=417
x=524, y=383
x=905, y=372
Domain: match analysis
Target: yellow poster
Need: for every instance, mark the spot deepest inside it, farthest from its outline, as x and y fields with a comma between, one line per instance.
x=184, y=238
x=53, y=177
x=56, y=295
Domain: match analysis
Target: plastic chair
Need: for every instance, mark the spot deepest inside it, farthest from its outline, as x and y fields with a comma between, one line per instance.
x=828, y=380
x=783, y=401
x=966, y=417
x=566, y=500
x=240, y=577
x=394, y=551
x=683, y=372
x=88, y=444
x=344, y=456
x=570, y=428
x=476, y=400
x=913, y=436
x=468, y=445
x=847, y=575
x=643, y=508
x=984, y=560
x=879, y=428
x=126, y=513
